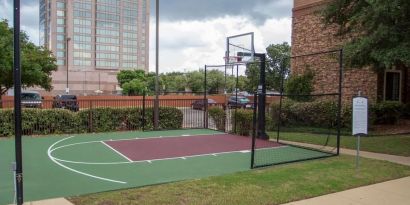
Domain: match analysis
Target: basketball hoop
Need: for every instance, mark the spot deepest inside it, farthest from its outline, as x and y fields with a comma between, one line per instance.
x=232, y=59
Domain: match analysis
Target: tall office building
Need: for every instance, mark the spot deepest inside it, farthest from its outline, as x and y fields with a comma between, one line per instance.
x=93, y=40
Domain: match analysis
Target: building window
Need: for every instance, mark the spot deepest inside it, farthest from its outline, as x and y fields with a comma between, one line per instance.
x=60, y=29
x=60, y=62
x=60, y=37
x=60, y=5
x=60, y=45
x=60, y=13
x=60, y=21
x=392, y=85
x=60, y=54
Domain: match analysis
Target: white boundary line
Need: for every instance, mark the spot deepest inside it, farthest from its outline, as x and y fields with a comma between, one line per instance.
x=116, y=151
x=57, y=161
x=161, y=159
x=172, y=136
x=73, y=170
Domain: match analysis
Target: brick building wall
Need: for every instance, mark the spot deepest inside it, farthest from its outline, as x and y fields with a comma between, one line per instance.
x=310, y=36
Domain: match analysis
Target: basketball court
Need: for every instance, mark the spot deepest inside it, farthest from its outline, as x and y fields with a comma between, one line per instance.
x=70, y=165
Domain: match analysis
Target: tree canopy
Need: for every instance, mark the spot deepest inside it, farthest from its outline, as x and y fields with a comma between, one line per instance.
x=133, y=82
x=37, y=63
x=377, y=31
x=278, y=65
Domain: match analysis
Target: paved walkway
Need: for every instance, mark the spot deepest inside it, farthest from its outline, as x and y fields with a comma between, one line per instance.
x=395, y=192
x=59, y=201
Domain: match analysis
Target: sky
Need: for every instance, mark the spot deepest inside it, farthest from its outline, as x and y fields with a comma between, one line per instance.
x=193, y=32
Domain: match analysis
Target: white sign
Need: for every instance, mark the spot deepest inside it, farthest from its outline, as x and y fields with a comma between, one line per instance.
x=360, y=116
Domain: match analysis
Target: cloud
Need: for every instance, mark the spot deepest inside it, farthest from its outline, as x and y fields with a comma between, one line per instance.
x=258, y=11
x=188, y=45
x=193, y=32
x=29, y=17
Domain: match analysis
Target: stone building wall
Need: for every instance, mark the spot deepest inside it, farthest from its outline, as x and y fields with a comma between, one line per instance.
x=310, y=36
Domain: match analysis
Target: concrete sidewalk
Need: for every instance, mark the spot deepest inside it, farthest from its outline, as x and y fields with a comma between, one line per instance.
x=395, y=192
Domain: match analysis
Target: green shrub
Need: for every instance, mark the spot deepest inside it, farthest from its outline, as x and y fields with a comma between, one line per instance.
x=6, y=122
x=300, y=85
x=244, y=120
x=386, y=112
x=319, y=113
x=406, y=111
x=218, y=115
x=59, y=121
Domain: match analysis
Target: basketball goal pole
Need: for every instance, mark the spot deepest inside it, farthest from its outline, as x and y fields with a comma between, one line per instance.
x=261, y=134
x=17, y=104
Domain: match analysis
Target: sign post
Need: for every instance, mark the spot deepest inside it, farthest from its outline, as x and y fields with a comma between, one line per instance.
x=359, y=121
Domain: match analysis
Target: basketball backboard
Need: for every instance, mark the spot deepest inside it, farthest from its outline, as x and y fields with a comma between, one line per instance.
x=240, y=48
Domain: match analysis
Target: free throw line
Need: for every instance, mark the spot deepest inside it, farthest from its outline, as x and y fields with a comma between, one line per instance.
x=116, y=151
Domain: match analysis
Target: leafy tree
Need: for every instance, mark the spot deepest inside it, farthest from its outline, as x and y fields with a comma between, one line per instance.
x=277, y=66
x=134, y=87
x=195, y=81
x=215, y=81
x=37, y=63
x=300, y=85
x=377, y=32
x=173, y=82
x=135, y=82
x=126, y=76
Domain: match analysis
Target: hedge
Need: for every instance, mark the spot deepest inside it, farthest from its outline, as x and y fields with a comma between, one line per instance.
x=61, y=121
x=218, y=115
x=318, y=114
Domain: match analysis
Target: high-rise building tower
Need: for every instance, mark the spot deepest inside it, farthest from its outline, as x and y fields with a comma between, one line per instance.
x=93, y=40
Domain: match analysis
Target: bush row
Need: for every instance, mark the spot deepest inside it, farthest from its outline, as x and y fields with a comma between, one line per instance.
x=59, y=121
x=319, y=114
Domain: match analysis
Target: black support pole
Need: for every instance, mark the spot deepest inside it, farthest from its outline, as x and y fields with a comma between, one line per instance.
x=282, y=76
x=262, y=97
x=254, y=124
x=17, y=105
x=205, y=101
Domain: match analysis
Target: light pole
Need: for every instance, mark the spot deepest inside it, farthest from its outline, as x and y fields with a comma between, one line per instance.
x=156, y=102
x=67, y=90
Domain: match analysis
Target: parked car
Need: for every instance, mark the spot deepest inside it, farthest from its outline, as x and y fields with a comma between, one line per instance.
x=31, y=99
x=200, y=104
x=240, y=102
x=68, y=102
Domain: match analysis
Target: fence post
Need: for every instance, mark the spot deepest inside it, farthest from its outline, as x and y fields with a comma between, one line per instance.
x=255, y=101
x=143, y=112
x=90, y=116
x=339, y=103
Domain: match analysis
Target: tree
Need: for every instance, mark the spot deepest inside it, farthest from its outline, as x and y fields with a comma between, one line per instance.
x=195, y=81
x=301, y=86
x=277, y=67
x=134, y=87
x=134, y=82
x=377, y=32
x=173, y=82
x=37, y=63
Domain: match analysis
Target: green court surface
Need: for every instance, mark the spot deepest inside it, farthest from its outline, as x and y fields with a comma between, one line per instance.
x=70, y=165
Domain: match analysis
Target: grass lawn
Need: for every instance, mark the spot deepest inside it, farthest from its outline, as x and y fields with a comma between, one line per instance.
x=274, y=185
x=393, y=144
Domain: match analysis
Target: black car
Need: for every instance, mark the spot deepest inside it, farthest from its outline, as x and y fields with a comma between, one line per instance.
x=199, y=104
x=239, y=102
x=68, y=102
x=31, y=99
